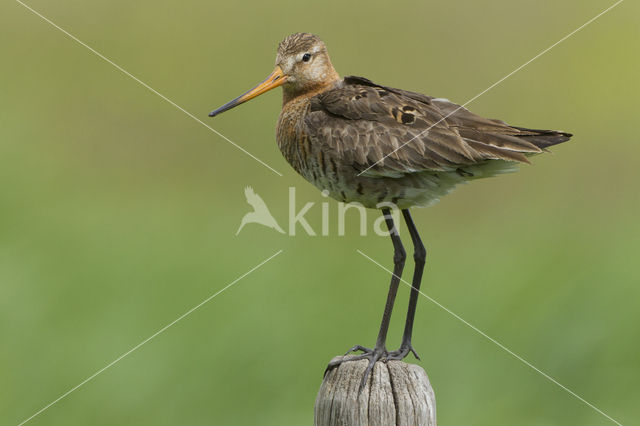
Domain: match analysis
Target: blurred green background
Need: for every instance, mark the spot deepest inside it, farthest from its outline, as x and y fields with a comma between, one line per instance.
x=118, y=214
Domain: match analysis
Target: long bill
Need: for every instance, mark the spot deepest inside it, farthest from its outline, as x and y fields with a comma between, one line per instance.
x=275, y=79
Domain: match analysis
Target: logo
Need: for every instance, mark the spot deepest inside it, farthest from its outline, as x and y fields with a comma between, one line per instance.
x=262, y=216
x=260, y=213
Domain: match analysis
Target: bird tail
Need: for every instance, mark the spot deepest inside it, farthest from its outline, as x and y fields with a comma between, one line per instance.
x=543, y=138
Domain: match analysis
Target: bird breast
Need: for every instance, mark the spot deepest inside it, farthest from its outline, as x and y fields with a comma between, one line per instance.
x=292, y=140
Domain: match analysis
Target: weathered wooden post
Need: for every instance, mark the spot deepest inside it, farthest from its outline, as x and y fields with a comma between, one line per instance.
x=397, y=394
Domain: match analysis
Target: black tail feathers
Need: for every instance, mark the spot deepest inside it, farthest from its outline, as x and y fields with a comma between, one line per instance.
x=543, y=138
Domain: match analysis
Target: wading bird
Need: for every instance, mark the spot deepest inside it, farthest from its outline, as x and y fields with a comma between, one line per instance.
x=380, y=146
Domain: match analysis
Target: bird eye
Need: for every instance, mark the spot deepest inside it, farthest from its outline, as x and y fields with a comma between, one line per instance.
x=306, y=57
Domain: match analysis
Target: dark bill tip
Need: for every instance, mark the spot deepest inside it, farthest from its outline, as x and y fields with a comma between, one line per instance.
x=227, y=106
x=275, y=79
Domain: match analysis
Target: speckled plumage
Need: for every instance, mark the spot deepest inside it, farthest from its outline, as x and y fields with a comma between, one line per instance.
x=296, y=43
x=372, y=144
x=344, y=138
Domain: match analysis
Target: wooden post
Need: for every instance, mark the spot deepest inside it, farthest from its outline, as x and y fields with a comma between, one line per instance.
x=397, y=394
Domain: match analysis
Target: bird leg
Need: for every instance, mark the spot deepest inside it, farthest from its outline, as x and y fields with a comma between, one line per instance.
x=419, y=256
x=379, y=352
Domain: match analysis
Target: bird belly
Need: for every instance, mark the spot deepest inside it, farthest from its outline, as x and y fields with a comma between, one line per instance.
x=409, y=191
x=417, y=189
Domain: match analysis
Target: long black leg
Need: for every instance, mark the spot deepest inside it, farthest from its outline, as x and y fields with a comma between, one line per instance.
x=419, y=256
x=380, y=350
x=399, y=256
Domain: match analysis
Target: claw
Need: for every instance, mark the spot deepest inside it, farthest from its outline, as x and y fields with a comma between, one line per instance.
x=373, y=355
x=402, y=353
x=358, y=348
x=334, y=364
x=413, y=351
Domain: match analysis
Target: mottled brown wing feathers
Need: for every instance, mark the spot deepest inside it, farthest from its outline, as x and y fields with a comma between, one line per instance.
x=368, y=124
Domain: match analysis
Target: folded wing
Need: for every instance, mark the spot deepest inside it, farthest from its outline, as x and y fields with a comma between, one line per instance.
x=390, y=132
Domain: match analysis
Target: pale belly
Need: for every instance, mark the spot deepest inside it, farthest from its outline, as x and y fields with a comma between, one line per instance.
x=421, y=189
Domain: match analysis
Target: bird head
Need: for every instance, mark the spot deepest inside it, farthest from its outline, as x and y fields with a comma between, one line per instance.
x=302, y=66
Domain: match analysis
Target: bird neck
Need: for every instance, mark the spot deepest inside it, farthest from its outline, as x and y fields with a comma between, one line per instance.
x=290, y=93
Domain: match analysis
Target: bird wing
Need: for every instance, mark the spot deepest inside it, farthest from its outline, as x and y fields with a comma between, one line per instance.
x=391, y=132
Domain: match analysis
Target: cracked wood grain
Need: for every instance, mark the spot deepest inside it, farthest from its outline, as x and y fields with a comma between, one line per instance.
x=397, y=394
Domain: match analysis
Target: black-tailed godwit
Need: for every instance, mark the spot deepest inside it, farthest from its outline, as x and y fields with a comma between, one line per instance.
x=379, y=146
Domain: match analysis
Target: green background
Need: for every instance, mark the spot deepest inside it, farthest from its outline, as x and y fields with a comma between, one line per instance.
x=118, y=214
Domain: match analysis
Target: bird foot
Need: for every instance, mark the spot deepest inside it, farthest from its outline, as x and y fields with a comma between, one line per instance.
x=402, y=353
x=373, y=355
x=357, y=348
